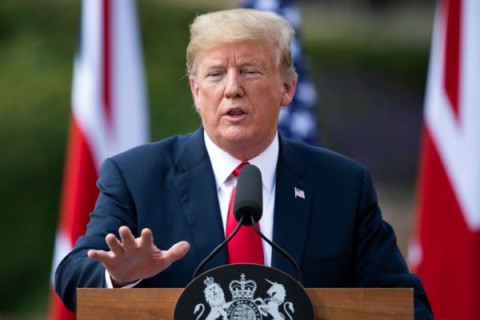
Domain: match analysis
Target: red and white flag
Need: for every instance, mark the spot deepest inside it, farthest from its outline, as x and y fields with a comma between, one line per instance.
x=446, y=249
x=109, y=115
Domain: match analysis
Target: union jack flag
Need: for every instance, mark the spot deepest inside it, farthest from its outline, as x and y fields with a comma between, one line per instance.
x=297, y=120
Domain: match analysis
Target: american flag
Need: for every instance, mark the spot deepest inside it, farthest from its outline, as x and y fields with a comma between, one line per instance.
x=298, y=120
x=299, y=193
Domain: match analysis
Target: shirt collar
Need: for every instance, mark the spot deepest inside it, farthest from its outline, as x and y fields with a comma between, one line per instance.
x=223, y=163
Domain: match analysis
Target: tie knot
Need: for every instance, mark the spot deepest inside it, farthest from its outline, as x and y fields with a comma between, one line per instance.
x=236, y=171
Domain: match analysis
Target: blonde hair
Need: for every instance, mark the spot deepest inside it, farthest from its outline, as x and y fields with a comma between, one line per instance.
x=211, y=29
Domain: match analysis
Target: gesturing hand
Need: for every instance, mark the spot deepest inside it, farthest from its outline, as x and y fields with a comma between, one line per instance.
x=131, y=259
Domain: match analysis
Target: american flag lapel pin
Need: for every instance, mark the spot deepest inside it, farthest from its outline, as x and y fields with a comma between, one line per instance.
x=299, y=193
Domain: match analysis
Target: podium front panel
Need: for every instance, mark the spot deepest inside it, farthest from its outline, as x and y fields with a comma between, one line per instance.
x=328, y=304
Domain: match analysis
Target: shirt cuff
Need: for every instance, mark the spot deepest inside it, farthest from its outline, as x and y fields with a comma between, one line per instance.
x=108, y=281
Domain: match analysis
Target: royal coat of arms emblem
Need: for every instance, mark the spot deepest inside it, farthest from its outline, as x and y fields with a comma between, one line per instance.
x=244, y=292
x=244, y=305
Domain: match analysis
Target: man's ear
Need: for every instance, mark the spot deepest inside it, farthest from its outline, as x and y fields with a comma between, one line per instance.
x=289, y=88
x=195, y=93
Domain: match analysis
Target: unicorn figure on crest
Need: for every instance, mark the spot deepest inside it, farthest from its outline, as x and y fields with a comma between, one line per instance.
x=272, y=304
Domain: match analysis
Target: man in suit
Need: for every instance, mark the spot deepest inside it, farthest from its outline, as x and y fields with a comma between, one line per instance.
x=318, y=205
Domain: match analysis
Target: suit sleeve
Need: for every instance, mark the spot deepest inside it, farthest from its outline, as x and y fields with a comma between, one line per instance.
x=114, y=208
x=379, y=261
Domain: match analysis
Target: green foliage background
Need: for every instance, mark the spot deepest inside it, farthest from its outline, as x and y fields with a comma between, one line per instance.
x=38, y=40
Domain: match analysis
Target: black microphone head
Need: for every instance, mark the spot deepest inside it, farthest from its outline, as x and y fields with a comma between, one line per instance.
x=249, y=199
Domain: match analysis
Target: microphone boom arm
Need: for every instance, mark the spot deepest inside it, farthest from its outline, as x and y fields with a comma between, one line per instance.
x=279, y=249
x=257, y=230
x=217, y=249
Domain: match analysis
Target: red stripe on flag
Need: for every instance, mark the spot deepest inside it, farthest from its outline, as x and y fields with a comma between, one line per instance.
x=78, y=199
x=57, y=310
x=79, y=192
x=450, y=261
x=106, y=56
x=451, y=76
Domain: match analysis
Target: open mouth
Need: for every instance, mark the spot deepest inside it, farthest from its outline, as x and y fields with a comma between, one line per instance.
x=236, y=112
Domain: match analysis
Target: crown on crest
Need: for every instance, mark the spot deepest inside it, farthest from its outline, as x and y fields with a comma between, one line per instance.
x=208, y=281
x=243, y=289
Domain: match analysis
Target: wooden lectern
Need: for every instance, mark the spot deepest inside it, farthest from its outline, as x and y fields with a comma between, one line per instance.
x=159, y=304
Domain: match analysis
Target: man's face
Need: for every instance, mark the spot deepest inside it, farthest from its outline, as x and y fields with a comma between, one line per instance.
x=238, y=92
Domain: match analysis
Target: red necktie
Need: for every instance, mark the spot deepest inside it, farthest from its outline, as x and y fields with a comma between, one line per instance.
x=246, y=245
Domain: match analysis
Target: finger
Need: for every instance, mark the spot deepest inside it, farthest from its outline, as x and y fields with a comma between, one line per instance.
x=98, y=255
x=127, y=238
x=177, y=251
x=146, y=238
x=114, y=245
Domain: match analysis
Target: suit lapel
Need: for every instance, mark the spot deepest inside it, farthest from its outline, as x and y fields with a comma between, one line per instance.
x=292, y=210
x=196, y=188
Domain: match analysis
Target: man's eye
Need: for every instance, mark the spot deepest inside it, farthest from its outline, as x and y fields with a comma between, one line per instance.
x=251, y=72
x=214, y=74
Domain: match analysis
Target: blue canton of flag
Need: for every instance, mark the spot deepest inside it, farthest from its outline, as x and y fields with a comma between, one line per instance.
x=298, y=119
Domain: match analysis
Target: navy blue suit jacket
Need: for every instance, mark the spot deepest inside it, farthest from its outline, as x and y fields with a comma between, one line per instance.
x=336, y=234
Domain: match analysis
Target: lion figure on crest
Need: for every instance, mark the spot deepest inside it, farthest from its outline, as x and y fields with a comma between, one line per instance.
x=216, y=299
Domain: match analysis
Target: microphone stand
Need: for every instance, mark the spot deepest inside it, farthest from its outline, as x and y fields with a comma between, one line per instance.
x=257, y=230
x=218, y=248
x=279, y=249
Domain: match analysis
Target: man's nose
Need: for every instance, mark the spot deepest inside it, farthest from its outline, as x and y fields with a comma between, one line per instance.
x=233, y=86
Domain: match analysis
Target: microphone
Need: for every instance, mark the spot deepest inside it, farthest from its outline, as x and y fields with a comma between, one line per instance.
x=249, y=196
x=248, y=209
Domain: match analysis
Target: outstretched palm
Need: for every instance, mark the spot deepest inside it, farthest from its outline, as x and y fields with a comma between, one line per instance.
x=131, y=259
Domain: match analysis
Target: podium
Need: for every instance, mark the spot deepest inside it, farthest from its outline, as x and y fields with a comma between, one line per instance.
x=328, y=304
